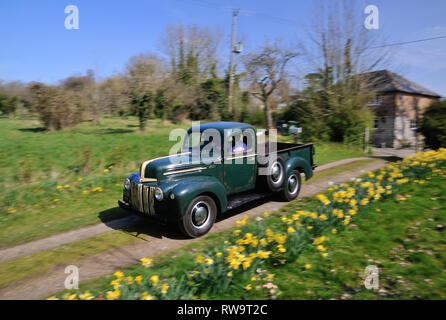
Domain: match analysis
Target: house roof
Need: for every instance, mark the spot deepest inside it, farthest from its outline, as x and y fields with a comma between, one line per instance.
x=388, y=81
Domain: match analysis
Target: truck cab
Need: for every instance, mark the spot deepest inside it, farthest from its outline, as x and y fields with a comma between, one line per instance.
x=221, y=165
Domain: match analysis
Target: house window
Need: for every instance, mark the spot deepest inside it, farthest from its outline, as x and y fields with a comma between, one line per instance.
x=375, y=123
x=376, y=100
x=413, y=124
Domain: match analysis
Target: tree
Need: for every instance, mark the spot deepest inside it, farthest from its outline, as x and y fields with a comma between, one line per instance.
x=113, y=95
x=145, y=74
x=57, y=108
x=340, y=51
x=8, y=105
x=433, y=125
x=266, y=70
x=191, y=51
x=85, y=88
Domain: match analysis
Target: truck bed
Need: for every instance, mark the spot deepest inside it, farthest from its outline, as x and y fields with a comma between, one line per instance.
x=286, y=150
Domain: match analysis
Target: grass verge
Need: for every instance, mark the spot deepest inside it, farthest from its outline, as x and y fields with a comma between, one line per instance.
x=41, y=262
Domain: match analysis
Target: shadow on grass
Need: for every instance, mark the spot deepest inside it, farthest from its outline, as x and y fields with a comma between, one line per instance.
x=386, y=158
x=34, y=130
x=115, y=131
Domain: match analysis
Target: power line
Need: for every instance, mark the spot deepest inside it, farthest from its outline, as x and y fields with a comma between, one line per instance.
x=407, y=42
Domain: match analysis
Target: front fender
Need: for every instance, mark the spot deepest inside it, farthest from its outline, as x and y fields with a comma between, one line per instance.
x=301, y=163
x=189, y=189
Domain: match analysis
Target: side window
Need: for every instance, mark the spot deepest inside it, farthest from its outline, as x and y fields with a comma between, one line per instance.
x=237, y=144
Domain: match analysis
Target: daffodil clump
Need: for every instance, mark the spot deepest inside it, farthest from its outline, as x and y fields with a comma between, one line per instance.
x=242, y=260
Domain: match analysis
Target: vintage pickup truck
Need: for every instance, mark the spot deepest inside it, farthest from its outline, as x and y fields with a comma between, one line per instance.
x=191, y=189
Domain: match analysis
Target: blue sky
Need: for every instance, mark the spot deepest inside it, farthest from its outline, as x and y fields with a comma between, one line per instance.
x=36, y=45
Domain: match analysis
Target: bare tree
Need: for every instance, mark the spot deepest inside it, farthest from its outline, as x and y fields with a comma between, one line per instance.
x=191, y=51
x=114, y=95
x=146, y=75
x=340, y=51
x=266, y=70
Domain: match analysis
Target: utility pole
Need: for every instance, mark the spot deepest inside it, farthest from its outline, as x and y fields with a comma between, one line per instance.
x=231, y=61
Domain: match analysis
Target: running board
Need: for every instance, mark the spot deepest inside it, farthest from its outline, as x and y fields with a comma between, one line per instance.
x=245, y=198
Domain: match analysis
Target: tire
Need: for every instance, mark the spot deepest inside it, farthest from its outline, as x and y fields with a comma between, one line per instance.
x=276, y=174
x=199, y=218
x=292, y=186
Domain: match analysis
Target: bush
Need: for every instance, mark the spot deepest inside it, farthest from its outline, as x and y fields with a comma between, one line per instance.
x=57, y=108
x=433, y=125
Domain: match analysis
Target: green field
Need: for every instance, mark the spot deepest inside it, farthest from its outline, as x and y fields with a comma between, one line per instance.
x=88, y=163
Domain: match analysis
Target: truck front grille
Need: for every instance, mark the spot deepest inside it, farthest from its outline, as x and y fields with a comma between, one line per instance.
x=142, y=198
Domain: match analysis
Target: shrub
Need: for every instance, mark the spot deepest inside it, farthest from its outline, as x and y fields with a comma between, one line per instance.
x=433, y=125
x=57, y=108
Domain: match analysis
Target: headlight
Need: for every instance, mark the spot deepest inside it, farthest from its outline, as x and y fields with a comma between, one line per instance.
x=158, y=194
x=126, y=183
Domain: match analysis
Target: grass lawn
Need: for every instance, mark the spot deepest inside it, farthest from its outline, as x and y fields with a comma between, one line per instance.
x=88, y=163
x=404, y=239
x=41, y=262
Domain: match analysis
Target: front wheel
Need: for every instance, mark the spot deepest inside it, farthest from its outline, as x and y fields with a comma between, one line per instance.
x=291, y=188
x=200, y=217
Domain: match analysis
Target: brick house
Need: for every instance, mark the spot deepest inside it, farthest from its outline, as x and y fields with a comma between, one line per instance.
x=398, y=105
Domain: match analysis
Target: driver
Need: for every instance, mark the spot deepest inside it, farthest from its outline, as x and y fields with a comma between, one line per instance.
x=239, y=145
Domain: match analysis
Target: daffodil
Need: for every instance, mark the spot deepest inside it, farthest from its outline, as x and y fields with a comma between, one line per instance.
x=199, y=258
x=86, y=296
x=154, y=279
x=138, y=279
x=146, y=296
x=118, y=274
x=164, y=288
x=146, y=262
x=113, y=295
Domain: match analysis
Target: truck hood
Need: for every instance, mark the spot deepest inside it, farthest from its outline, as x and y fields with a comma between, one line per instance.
x=170, y=166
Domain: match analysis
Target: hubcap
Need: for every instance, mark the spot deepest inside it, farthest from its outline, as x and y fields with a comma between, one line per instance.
x=276, y=172
x=292, y=184
x=200, y=213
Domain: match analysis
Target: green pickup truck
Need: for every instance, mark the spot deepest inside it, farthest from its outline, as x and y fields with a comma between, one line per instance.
x=222, y=165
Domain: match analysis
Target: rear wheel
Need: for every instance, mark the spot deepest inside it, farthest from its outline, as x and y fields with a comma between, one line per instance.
x=200, y=217
x=291, y=188
x=276, y=174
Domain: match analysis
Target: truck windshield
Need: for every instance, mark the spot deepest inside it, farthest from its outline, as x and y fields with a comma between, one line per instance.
x=193, y=140
x=197, y=140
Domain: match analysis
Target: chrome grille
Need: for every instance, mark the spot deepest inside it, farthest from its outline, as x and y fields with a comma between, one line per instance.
x=142, y=198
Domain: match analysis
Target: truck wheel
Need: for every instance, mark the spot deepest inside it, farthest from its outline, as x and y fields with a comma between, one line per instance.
x=199, y=217
x=292, y=186
x=276, y=174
